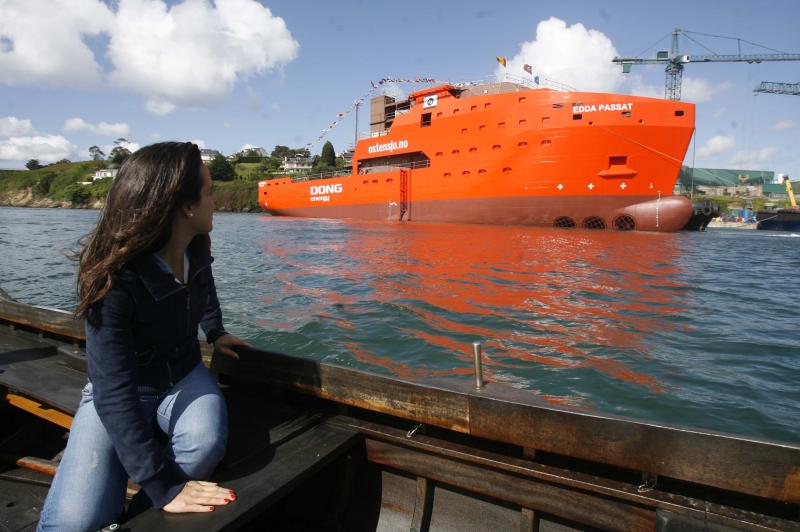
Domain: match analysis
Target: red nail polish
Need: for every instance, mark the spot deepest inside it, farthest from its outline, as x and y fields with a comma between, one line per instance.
x=227, y=501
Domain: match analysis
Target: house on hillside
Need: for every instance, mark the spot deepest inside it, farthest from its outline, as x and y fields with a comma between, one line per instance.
x=208, y=155
x=296, y=163
x=104, y=173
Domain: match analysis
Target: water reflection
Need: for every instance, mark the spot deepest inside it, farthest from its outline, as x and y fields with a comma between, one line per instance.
x=409, y=299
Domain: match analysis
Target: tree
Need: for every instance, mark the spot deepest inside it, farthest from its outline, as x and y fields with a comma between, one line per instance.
x=280, y=152
x=327, y=158
x=33, y=164
x=221, y=169
x=96, y=153
x=118, y=155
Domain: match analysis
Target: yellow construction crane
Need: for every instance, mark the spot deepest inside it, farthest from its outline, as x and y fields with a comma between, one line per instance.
x=674, y=60
x=789, y=191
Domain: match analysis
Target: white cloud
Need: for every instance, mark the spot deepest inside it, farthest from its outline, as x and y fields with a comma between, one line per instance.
x=752, y=158
x=44, y=41
x=193, y=53
x=640, y=88
x=46, y=148
x=103, y=128
x=784, y=125
x=573, y=55
x=716, y=145
x=155, y=137
x=11, y=126
x=700, y=90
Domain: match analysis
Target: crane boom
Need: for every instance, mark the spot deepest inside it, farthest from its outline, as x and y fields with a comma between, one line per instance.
x=675, y=62
x=774, y=87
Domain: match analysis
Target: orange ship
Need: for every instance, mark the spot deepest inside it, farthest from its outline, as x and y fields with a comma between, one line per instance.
x=504, y=153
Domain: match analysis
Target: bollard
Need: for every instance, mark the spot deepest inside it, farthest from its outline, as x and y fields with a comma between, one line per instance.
x=476, y=350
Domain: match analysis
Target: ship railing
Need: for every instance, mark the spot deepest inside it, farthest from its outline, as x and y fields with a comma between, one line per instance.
x=321, y=175
x=394, y=166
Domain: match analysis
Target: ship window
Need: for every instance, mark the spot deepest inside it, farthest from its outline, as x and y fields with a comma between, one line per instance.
x=523, y=122
x=522, y=99
x=456, y=110
x=594, y=222
x=465, y=172
x=544, y=118
x=439, y=154
x=482, y=171
x=558, y=105
x=456, y=152
x=507, y=169
x=389, y=179
x=366, y=182
x=546, y=141
x=438, y=114
x=564, y=221
x=522, y=144
x=577, y=117
x=426, y=120
x=496, y=147
x=473, y=149
x=501, y=124
x=618, y=160
x=447, y=174
x=481, y=127
x=473, y=107
x=678, y=113
x=374, y=180
x=487, y=105
x=626, y=114
x=463, y=130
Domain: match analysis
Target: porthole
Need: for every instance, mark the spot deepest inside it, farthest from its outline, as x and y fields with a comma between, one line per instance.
x=594, y=222
x=624, y=223
x=564, y=221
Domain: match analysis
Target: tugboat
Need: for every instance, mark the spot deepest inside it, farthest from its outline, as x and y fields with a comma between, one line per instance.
x=781, y=219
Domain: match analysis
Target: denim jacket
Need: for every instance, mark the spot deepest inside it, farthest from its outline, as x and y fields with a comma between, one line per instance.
x=141, y=338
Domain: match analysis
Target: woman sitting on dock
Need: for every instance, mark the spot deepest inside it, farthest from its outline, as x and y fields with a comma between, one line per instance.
x=144, y=285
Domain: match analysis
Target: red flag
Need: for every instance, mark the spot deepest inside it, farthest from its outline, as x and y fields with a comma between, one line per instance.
x=502, y=61
x=527, y=68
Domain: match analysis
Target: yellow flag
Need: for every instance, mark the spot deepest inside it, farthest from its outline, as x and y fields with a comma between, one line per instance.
x=502, y=61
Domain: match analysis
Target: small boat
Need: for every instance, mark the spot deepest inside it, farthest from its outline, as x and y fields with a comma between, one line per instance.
x=508, y=154
x=781, y=219
x=316, y=446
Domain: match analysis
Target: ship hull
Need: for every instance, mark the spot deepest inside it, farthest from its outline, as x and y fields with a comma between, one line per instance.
x=642, y=213
x=781, y=220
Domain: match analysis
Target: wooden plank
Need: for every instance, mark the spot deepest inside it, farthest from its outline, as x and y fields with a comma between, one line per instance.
x=38, y=372
x=423, y=506
x=38, y=409
x=54, y=321
x=764, y=469
x=585, y=508
x=293, y=462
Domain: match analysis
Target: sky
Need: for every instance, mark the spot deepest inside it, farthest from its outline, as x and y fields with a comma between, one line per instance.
x=230, y=74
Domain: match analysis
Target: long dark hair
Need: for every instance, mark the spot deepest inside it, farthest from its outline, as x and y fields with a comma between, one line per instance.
x=150, y=188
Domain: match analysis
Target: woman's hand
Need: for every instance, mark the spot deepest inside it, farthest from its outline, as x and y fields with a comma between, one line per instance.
x=199, y=496
x=224, y=343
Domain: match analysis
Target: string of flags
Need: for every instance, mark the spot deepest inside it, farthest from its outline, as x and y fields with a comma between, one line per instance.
x=375, y=86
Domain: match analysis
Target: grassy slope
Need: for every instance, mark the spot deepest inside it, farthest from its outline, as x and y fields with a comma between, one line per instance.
x=62, y=183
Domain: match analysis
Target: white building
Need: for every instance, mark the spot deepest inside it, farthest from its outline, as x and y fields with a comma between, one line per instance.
x=208, y=155
x=104, y=173
x=296, y=163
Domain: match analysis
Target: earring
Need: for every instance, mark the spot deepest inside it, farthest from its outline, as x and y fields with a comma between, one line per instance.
x=191, y=214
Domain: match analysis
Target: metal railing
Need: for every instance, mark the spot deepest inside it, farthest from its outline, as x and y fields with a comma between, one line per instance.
x=413, y=165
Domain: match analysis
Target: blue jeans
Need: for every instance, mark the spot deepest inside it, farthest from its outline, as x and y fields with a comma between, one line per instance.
x=88, y=490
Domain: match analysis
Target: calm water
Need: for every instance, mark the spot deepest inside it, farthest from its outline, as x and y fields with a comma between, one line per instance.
x=697, y=329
